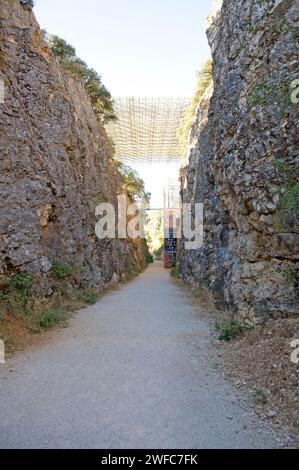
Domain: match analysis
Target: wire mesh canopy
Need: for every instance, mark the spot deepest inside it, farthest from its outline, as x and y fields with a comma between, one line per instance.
x=146, y=129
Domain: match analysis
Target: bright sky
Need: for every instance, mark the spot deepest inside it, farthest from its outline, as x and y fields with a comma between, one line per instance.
x=156, y=177
x=139, y=47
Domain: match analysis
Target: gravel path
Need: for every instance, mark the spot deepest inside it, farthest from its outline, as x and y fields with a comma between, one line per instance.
x=133, y=371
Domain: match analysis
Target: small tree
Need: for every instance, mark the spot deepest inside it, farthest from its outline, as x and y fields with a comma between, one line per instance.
x=60, y=48
x=133, y=184
x=100, y=97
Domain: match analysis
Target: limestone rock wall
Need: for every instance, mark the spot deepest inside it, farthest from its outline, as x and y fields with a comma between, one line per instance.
x=244, y=163
x=56, y=164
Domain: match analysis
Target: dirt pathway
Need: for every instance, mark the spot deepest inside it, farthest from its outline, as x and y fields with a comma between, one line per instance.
x=133, y=371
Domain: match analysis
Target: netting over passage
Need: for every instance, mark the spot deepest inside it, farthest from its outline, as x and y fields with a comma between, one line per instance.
x=147, y=129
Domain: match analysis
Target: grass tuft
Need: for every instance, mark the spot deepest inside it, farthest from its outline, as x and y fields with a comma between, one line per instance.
x=89, y=298
x=61, y=271
x=229, y=329
x=175, y=273
x=50, y=318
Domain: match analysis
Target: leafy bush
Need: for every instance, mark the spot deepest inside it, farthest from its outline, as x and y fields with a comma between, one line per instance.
x=20, y=282
x=100, y=97
x=15, y=292
x=229, y=329
x=51, y=318
x=133, y=184
x=149, y=258
x=61, y=271
x=28, y=4
x=203, y=82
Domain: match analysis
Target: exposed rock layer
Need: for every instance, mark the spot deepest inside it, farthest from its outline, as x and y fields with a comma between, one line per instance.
x=56, y=164
x=244, y=163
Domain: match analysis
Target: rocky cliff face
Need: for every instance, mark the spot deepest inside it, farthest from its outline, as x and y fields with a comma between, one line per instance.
x=56, y=165
x=244, y=162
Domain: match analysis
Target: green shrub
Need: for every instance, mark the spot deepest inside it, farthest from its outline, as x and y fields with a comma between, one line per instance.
x=15, y=292
x=229, y=329
x=175, y=272
x=51, y=318
x=149, y=258
x=61, y=271
x=20, y=282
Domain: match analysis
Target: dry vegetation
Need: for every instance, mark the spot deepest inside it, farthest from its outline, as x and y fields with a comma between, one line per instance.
x=23, y=313
x=261, y=361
